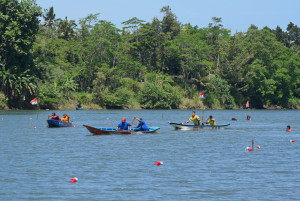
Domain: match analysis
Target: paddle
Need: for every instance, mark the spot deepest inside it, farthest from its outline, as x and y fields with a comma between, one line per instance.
x=133, y=120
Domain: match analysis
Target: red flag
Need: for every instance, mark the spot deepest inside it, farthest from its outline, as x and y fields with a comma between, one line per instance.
x=34, y=101
x=201, y=95
x=247, y=104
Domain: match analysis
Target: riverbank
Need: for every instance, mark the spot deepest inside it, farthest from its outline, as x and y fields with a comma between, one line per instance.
x=138, y=107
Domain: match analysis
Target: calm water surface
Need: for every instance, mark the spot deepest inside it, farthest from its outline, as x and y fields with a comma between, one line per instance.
x=37, y=164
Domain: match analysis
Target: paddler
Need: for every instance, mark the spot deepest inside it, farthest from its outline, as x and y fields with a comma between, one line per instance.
x=195, y=118
x=124, y=125
x=142, y=125
x=55, y=117
x=66, y=118
x=210, y=120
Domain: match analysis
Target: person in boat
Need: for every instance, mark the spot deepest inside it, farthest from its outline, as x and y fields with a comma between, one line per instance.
x=288, y=128
x=66, y=118
x=210, y=120
x=55, y=117
x=248, y=117
x=194, y=118
x=124, y=125
x=142, y=125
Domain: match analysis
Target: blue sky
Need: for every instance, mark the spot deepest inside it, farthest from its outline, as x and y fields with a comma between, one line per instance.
x=236, y=15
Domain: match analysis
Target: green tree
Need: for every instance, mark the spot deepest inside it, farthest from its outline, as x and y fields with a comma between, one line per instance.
x=19, y=25
x=293, y=32
x=158, y=93
x=65, y=28
x=49, y=17
x=170, y=24
x=155, y=96
x=218, y=94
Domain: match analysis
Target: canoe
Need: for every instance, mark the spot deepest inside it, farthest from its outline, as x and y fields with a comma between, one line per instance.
x=108, y=131
x=180, y=126
x=55, y=123
x=79, y=108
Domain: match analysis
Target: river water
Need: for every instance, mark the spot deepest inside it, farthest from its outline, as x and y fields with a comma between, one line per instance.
x=38, y=162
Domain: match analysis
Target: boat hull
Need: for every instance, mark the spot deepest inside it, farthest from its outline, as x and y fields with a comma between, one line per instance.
x=179, y=126
x=54, y=123
x=109, y=131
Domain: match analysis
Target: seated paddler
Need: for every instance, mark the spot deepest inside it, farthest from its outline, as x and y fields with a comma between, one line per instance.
x=124, y=125
x=142, y=126
x=210, y=120
x=55, y=117
x=194, y=118
x=66, y=118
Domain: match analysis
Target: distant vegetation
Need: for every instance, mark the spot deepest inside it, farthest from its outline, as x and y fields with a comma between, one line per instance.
x=161, y=64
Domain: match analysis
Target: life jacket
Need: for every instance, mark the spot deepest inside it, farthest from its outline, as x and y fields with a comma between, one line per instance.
x=66, y=119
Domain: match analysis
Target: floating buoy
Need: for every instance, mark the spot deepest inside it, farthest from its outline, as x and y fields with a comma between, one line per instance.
x=74, y=180
x=248, y=149
x=107, y=118
x=34, y=127
x=158, y=163
x=1, y=118
x=73, y=126
x=257, y=147
x=233, y=119
x=292, y=140
x=168, y=122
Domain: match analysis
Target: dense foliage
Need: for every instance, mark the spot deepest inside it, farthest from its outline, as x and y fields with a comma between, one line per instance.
x=159, y=64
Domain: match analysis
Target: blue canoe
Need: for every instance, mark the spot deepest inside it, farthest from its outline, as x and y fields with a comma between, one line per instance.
x=180, y=126
x=55, y=123
x=108, y=131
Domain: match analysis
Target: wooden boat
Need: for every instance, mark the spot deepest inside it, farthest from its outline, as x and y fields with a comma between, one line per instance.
x=56, y=123
x=108, y=131
x=180, y=126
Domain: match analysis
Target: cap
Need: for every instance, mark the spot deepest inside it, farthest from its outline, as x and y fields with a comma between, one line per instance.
x=53, y=113
x=123, y=119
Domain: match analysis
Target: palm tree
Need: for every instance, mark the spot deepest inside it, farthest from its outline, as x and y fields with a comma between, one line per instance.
x=16, y=86
x=49, y=17
x=66, y=28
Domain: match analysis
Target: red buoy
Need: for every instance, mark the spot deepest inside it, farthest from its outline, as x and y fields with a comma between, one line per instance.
x=248, y=148
x=74, y=180
x=34, y=127
x=257, y=147
x=292, y=140
x=158, y=163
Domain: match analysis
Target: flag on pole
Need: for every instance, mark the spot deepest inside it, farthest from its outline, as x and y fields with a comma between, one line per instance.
x=247, y=104
x=34, y=101
x=201, y=95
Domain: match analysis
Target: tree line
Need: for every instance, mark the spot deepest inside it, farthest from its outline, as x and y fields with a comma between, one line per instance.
x=162, y=64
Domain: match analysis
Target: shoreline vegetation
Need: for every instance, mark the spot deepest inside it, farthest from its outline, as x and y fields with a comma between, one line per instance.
x=188, y=106
x=161, y=64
